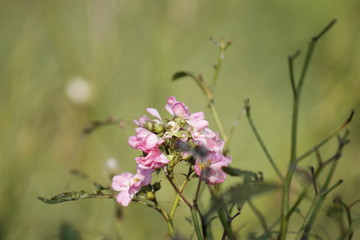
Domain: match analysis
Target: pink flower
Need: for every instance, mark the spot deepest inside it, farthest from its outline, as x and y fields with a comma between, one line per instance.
x=209, y=169
x=208, y=139
x=142, y=121
x=197, y=121
x=155, y=159
x=128, y=185
x=179, y=109
x=144, y=140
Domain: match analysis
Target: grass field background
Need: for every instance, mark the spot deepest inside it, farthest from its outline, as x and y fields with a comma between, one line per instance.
x=128, y=51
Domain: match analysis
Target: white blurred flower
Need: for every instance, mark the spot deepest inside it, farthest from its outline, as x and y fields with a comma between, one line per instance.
x=78, y=90
x=112, y=165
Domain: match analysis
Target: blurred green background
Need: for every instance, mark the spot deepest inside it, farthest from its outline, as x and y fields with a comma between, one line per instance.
x=127, y=52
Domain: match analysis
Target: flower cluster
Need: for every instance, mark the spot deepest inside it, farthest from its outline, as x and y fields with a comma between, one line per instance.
x=167, y=142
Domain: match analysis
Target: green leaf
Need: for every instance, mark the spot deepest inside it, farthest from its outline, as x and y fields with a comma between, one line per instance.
x=181, y=74
x=73, y=196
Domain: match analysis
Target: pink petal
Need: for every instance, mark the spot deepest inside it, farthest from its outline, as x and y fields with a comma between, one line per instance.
x=124, y=198
x=180, y=110
x=153, y=112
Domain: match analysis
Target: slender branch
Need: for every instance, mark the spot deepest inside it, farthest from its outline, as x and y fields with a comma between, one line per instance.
x=177, y=199
x=177, y=189
x=196, y=223
x=314, y=209
x=163, y=214
x=347, y=209
x=222, y=47
x=217, y=121
x=317, y=172
x=313, y=178
x=262, y=220
x=291, y=71
x=259, y=139
x=234, y=125
x=294, y=128
x=325, y=140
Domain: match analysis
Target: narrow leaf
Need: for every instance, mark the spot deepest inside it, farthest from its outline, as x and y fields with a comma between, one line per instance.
x=181, y=74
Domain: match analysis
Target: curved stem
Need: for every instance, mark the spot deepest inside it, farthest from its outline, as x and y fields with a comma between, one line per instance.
x=261, y=142
x=167, y=219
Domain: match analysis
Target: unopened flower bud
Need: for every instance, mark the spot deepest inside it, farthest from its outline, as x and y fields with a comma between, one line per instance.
x=180, y=121
x=149, y=126
x=150, y=196
x=158, y=128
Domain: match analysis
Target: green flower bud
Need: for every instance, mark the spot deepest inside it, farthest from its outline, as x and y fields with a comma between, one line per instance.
x=149, y=126
x=180, y=121
x=158, y=128
x=150, y=196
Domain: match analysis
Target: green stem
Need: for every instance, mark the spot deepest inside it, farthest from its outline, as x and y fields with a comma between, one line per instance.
x=262, y=220
x=324, y=141
x=217, y=121
x=261, y=142
x=222, y=47
x=177, y=199
x=196, y=223
x=314, y=209
x=177, y=190
x=294, y=128
x=167, y=219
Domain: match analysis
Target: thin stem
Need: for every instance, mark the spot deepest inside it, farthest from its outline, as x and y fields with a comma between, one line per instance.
x=196, y=223
x=234, y=125
x=177, y=199
x=176, y=189
x=222, y=47
x=217, y=121
x=261, y=219
x=163, y=214
x=198, y=189
x=261, y=142
x=291, y=71
x=311, y=215
x=313, y=178
x=350, y=232
x=325, y=140
x=294, y=128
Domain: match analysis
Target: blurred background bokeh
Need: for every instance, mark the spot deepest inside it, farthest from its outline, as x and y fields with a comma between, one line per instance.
x=64, y=64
